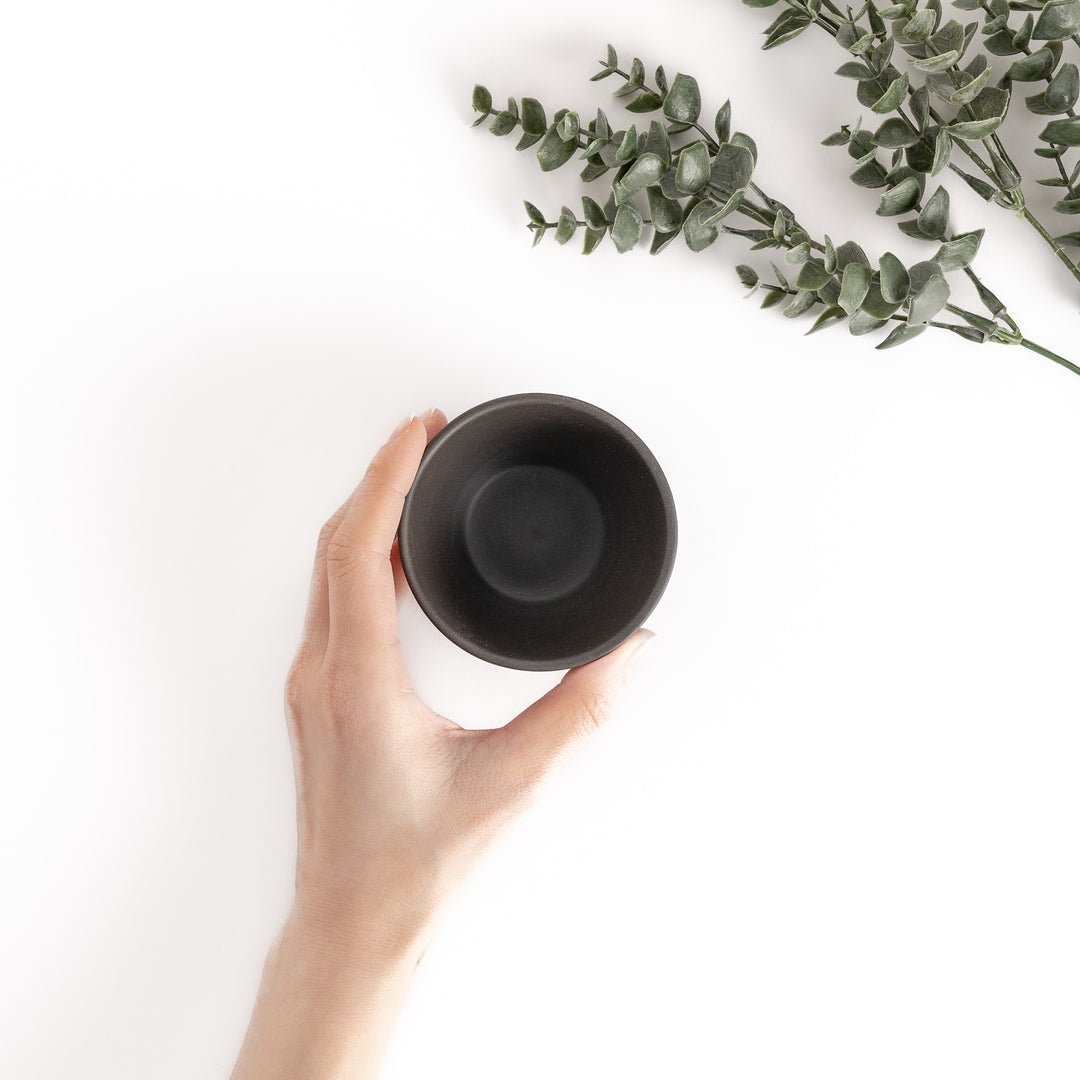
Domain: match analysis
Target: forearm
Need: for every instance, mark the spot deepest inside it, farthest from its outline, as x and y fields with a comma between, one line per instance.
x=329, y=998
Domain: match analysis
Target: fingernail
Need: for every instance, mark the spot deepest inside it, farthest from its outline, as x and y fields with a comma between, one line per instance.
x=429, y=414
x=401, y=428
x=638, y=649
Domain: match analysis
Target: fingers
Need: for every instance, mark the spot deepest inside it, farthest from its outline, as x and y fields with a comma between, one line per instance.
x=360, y=577
x=317, y=622
x=580, y=703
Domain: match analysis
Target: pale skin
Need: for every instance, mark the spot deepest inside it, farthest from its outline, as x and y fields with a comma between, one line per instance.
x=394, y=802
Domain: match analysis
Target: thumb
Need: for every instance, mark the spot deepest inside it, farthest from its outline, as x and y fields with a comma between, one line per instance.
x=579, y=704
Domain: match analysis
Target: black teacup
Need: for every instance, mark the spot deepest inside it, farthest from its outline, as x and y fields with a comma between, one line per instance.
x=539, y=533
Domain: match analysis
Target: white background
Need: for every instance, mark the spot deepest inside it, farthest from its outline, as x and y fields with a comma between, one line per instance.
x=831, y=830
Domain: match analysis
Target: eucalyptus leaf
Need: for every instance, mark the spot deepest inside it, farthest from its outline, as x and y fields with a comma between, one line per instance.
x=929, y=300
x=937, y=63
x=789, y=25
x=666, y=214
x=481, y=99
x=894, y=279
x=741, y=139
x=943, y=145
x=747, y=275
x=722, y=125
x=831, y=314
x=554, y=151
x=813, y=275
x=875, y=304
x=864, y=323
x=854, y=285
x=566, y=227
x=533, y=118
x=692, y=171
x=1035, y=67
x=901, y=333
x=854, y=70
x=1065, y=131
x=870, y=91
x=729, y=206
x=970, y=90
x=1058, y=19
x=657, y=141
x=503, y=124
x=593, y=213
x=646, y=170
x=803, y=302
x=645, y=102
x=592, y=239
x=731, y=168
x=892, y=97
x=921, y=272
x=960, y=251
x=568, y=127
x=628, y=145
x=896, y=132
x=799, y=254
x=920, y=108
x=919, y=27
x=697, y=235
x=626, y=230
x=850, y=252
x=899, y=199
x=661, y=240
x=934, y=216
x=987, y=111
x=683, y=101
x=1064, y=88
x=870, y=175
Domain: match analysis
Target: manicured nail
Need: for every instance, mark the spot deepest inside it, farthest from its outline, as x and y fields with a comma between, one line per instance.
x=403, y=426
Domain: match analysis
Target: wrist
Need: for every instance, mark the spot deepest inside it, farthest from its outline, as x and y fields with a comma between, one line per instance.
x=347, y=927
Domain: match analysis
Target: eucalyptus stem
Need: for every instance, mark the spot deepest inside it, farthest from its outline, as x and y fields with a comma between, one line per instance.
x=1048, y=354
x=1016, y=338
x=1057, y=249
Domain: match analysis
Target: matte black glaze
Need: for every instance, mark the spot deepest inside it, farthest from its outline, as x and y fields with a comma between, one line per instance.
x=539, y=533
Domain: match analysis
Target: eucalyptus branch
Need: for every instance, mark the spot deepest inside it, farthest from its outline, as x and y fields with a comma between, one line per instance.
x=1039, y=69
x=925, y=139
x=695, y=191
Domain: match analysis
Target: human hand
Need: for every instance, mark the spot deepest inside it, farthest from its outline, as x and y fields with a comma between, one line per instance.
x=394, y=801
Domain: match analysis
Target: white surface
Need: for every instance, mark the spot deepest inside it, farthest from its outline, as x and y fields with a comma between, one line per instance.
x=831, y=831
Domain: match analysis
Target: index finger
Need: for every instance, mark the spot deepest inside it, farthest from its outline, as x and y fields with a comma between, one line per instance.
x=360, y=577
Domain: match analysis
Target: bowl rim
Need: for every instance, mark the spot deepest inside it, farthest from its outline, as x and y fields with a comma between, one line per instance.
x=645, y=608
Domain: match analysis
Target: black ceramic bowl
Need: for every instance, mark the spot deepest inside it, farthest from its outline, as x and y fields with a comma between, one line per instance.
x=539, y=532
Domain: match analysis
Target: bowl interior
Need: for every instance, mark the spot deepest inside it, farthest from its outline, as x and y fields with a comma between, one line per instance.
x=539, y=531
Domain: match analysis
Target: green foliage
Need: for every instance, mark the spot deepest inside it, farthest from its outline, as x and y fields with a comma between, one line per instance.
x=939, y=93
x=698, y=184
